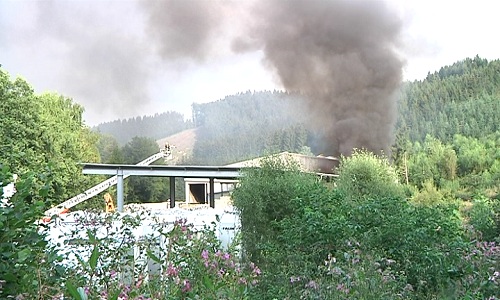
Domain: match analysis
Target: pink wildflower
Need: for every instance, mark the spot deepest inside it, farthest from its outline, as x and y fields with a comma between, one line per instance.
x=172, y=271
x=139, y=281
x=222, y=272
x=341, y=287
x=204, y=254
x=187, y=286
x=312, y=284
x=256, y=271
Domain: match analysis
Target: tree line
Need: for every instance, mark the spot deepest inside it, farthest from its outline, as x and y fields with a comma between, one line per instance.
x=157, y=126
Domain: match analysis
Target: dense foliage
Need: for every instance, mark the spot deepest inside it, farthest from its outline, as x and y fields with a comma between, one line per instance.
x=44, y=130
x=466, y=166
x=28, y=266
x=463, y=98
x=362, y=239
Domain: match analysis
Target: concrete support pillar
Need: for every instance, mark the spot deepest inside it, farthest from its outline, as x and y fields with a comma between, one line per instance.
x=119, y=189
x=212, y=193
x=172, y=192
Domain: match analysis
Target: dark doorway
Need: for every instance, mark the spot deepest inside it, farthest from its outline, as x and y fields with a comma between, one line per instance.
x=198, y=192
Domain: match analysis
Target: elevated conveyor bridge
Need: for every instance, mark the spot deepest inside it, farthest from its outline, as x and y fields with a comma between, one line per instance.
x=99, y=188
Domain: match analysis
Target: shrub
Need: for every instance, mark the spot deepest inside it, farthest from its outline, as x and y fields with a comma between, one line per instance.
x=428, y=195
x=484, y=216
x=368, y=206
x=285, y=223
x=354, y=274
x=266, y=196
x=364, y=175
x=479, y=265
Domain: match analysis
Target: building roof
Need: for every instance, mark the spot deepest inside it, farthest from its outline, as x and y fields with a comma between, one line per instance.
x=313, y=164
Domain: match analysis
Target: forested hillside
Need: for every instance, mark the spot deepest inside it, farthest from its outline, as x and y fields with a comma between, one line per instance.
x=463, y=98
x=237, y=127
x=448, y=134
x=247, y=125
x=156, y=127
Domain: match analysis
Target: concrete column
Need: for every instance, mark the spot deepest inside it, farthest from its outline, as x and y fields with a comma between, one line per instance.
x=119, y=189
x=172, y=192
x=212, y=193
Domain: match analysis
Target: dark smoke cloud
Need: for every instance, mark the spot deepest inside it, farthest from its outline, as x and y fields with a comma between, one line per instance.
x=342, y=56
x=101, y=60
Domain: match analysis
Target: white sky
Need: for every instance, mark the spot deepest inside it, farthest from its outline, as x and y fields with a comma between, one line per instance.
x=438, y=33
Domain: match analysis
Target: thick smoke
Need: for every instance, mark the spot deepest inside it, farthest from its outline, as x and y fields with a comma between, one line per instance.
x=341, y=55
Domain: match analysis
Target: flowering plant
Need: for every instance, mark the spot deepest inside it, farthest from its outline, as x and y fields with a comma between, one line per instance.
x=354, y=274
x=196, y=266
x=187, y=263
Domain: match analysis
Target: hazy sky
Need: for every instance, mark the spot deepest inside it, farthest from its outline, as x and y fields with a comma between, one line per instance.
x=110, y=56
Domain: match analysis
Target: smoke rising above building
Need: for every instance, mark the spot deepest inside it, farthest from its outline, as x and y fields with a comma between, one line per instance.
x=342, y=56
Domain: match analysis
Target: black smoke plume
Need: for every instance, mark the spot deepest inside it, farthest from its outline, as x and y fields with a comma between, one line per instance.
x=342, y=55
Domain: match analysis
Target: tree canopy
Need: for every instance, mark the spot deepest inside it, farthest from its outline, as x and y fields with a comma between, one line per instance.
x=44, y=131
x=157, y=126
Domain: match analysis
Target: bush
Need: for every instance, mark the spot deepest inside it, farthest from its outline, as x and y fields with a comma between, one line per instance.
x=266, y=196
x=364, y=175
x=423, y=242
x=480, y=274
x=354, y=274
x=285, y=223
x=428, y=195
x=484, y=217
